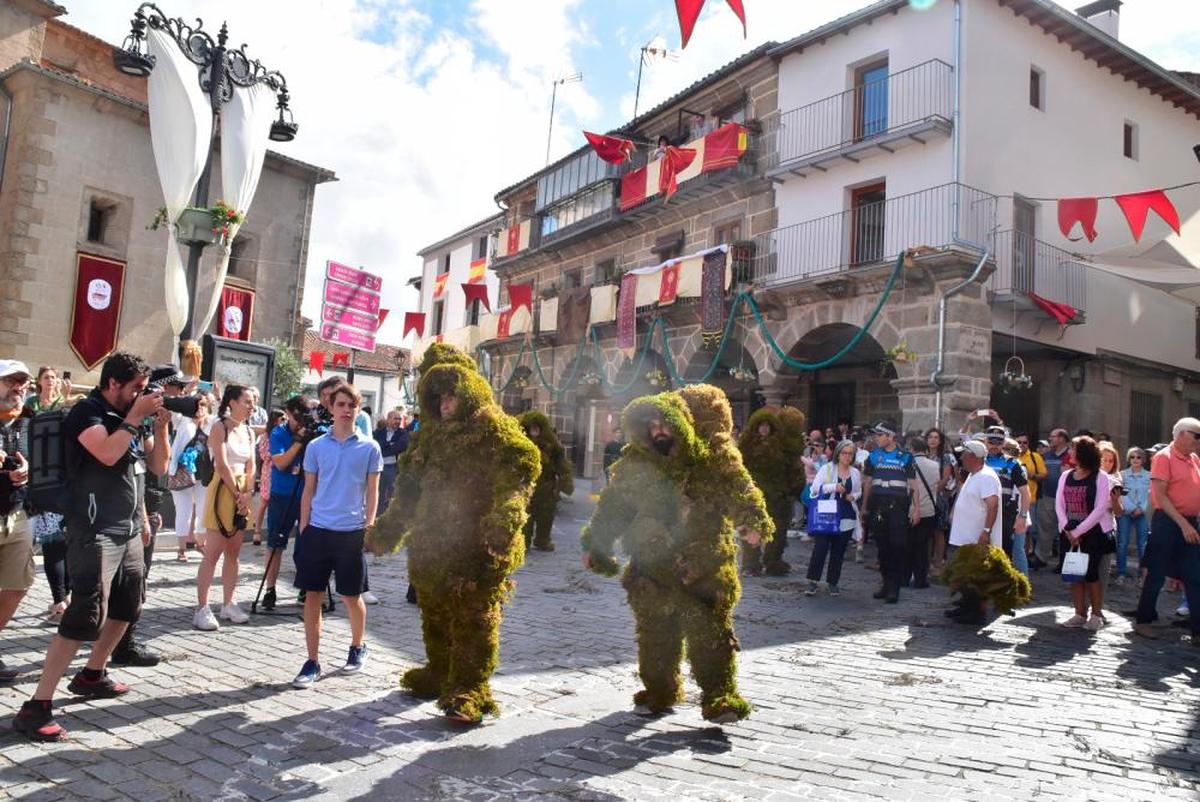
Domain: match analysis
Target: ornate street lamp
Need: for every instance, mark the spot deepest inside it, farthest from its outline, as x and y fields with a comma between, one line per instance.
x=221, y=68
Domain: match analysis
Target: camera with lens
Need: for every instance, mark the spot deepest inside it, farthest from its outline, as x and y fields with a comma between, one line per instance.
x=185, y=405
x=314, y=423
x=10, y=463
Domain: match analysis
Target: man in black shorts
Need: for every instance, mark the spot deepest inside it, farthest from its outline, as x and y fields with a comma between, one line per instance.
x=105, y=534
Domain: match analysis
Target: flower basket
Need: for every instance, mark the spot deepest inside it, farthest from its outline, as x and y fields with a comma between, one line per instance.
x=656, y=378
x=195, y=226
x=1014, y=377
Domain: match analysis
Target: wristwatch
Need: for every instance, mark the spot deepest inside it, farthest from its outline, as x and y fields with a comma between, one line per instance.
x=126, y=426
x=987, y=530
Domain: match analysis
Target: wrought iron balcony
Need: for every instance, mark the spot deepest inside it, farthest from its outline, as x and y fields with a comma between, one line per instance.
x=869, y=233
x=1027, y=265
x=904, y=108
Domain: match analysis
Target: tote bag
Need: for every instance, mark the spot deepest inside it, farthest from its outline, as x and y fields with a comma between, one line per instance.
x=823, y=518
x=1075, y=566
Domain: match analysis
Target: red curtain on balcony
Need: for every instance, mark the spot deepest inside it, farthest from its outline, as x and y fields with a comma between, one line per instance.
x=633, y=189
x=724, y=147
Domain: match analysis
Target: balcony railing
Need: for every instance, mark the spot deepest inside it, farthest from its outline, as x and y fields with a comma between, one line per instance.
x=901, y=101
x=872, y=232
x=1025, y=264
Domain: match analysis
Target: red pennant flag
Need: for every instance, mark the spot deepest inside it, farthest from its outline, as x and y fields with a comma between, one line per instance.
x=1138, y=204
x=316, y=362
x=668, y=284
x=689, y=11
x=674, y=162
x=235, y=313
x=1065, y=314
x=341, y=359
x=504, y=324
x=476, y=292
x=383, y=313
x=521, y=295
x=1078, y=210
x=414, y=321
x=612, y=149
x=633, y=188
x=99, y=285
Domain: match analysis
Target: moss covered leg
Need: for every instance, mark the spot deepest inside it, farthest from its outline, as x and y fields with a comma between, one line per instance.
x=474, y=654
x=426, y=682
x=711, y=651
x=781, y=516
x=660, y=649
x=541, y=524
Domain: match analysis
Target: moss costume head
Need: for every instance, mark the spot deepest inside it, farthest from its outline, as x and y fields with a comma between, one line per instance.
x=557, y=477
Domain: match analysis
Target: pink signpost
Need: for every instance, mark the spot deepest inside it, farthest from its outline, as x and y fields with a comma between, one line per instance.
x=353, y=276
x=356, y=298
x=350, y=312
x=345, y=317
x=331, y=332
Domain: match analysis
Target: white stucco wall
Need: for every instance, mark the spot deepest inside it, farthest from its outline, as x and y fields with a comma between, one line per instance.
x=461, y=256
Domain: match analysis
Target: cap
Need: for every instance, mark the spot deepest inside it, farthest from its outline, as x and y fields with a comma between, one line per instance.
x=162, y=375
x=975, y=447
x=998, y=433
x=13, y=367
x=1044, y=443
x=884, y=427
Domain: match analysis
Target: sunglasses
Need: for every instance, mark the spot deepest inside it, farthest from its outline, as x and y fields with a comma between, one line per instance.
x=1135, y=456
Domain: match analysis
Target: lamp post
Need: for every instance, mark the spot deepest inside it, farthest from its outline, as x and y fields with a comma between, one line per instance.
x=567, y=79
x=221, y=68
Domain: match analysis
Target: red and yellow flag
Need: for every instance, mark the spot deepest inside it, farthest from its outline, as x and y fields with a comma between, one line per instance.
x=439, y=285
x=478, y=271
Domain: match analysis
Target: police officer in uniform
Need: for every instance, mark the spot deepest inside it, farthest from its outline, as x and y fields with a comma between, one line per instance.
x=890, y=506
x=1014, y=490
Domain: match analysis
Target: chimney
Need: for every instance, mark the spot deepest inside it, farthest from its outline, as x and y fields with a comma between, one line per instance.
x=1104, y=15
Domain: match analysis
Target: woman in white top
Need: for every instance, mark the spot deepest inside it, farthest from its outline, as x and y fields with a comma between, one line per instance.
x=227, y=506
x=191, y=440
x=843, y=482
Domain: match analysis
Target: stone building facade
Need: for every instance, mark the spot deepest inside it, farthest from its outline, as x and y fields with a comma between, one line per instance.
x=79, y=177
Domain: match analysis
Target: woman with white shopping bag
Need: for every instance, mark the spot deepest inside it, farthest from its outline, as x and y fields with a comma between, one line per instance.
x=833, y=516
x=1085, y=519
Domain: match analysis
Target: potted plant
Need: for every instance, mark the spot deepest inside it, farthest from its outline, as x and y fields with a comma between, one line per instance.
x=900, y=353
x=656, y=378
x=744, y=375
x=210, y=225
x=1014, y=377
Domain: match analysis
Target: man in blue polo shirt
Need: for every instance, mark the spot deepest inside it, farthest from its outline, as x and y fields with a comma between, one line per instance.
x=337, y=506
x=890, y=506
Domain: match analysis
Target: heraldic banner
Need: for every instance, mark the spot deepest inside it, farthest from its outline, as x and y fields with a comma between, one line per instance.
x=236, y=313
x=96, y=314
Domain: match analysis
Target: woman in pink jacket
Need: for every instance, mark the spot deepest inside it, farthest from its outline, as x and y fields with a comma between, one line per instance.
x=1085, y=519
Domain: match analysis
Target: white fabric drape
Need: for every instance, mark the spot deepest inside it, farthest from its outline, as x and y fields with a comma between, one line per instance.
x=245, y=133
x=180, y=133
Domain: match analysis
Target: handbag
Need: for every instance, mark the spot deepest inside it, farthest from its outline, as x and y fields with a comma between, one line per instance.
x=1075, y=565
x=182, y=479
x=823, y=517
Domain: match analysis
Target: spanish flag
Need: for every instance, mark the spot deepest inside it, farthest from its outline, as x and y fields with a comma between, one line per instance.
x=477, y=271
x=439, y=285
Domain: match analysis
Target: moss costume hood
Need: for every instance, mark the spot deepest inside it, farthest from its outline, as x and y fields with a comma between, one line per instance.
x=557, y=474
x=769, y=459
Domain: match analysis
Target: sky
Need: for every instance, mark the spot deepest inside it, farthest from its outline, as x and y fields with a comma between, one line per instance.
x=426, y=108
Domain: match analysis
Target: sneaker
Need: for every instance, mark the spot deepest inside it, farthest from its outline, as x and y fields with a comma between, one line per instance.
x=1095, y=622
x=1182, y=610
x=269, y=599
x=8, y=674
x=858, y=554
x=354, y=661
x=369, y=598
x=812, y=589
x=645, y=711
x=882, y=593
x=102, y=687
x=234, y=614
x=1074, y=622
x=204, y=619
x=410, y=595
x=724, y=718
x=1146, y=631
x=137, y=655
x=35, y=721
x=301, y=596
x=834, y=590
x=310, y=672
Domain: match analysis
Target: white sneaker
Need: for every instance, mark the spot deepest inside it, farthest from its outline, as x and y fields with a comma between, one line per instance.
x=234, y=614
x=1074, y=622
x=205, y=620
x=1183, y=610
x=1094, y=623
x=369, y=598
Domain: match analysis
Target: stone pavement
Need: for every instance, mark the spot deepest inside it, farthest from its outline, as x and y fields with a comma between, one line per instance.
x=853, y=700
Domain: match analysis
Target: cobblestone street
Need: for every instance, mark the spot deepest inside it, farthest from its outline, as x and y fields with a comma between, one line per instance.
x=853, y=700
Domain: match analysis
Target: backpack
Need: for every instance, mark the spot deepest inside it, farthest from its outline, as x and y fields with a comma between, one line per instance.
x=47, y=455
x=204, y=461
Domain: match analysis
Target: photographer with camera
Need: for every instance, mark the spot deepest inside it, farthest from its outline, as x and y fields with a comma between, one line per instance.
x=16, y=535
x=337, y=507
x=287, y=444
x=106, y=534
x=227, y=505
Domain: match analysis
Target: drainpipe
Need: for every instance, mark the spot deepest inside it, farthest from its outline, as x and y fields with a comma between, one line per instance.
x=8, y=114
x=983, y=251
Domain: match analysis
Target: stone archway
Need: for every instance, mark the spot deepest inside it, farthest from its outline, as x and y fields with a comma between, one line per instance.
x=637, y=377
x=736, y=373
x=858, y=386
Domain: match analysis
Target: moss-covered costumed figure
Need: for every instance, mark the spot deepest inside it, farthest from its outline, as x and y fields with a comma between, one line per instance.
x=677, y=497
x=557, y=477
x=770, y=446
x=460, y=508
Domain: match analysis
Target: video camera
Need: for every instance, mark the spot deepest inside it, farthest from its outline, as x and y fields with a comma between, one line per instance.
x=314, y=423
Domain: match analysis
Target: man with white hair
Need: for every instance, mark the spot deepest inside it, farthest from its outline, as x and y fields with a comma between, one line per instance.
x=1174, y=540
x=975, y=520
x=16, y=537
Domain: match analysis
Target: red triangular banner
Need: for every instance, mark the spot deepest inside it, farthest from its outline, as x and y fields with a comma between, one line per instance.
x=612, y=149
x=476, y=292
x=1078, y=210
x=414, y=321
x=341, y=359
x=688, y=12
x=383, y=313
x=521, y=295
x=1138, y=204
x=316, y=362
